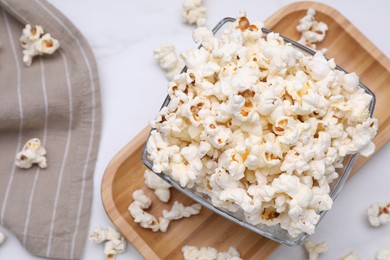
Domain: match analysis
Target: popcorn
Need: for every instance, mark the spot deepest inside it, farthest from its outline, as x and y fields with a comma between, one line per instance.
x=114, y=247
x=383, y=255
x=194, y=13
x=315, y=250
x=351, y=256
x=101, y=234
x=169, y=61
x=114, y=242
x=209, y=253
x=35, y=42
x=136, y=209
x=2, y=238
x=259, y=127
x=312, y=32
x=178, y=211
x=32, y=153
x=160, y=187
x=142, y=202
x=379, y=214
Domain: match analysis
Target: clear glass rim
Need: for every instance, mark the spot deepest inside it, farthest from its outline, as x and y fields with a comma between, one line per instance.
x=333, y=194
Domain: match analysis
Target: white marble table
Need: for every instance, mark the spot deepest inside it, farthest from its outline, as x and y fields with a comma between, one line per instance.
x=123, y=34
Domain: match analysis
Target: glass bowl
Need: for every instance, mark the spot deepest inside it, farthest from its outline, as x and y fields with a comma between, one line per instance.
x=275, y=233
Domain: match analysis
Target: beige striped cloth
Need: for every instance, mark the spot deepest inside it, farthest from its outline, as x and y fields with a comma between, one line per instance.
x=57, y=100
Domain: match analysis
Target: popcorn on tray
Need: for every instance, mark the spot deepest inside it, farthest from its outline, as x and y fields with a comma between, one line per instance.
x=32, y=153
x=160, y=187
x=209, y=253
x=315, y=250
x=142, y=202
x=379, y=214
x=35, y=42
x=259, y=127
x=194, y=13
x=312, y=31
x=114, y=242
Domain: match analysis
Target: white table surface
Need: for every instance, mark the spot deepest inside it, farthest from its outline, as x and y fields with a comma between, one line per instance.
x=123, y=34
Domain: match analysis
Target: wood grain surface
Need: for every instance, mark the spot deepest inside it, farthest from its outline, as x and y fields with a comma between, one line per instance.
x=352, y=50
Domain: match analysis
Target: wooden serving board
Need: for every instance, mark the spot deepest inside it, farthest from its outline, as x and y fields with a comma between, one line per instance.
x=124, y=174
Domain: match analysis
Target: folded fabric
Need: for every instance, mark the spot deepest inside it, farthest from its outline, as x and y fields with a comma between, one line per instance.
x=56, y=100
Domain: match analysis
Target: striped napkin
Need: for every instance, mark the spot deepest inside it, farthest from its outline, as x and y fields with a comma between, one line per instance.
x=56, y=100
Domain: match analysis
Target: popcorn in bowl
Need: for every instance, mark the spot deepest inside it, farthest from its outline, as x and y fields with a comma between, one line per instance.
x=257, y=127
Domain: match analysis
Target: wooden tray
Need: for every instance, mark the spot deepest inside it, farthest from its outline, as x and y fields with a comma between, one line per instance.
x=124, y=174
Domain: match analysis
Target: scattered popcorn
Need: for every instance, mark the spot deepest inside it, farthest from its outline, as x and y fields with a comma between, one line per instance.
x=194, y=13
x=315, y=250
x=2, y=238
x=312, y=32
x=169, y=61
x=114, y=242
x=35, y=42
x=137, y=211
x=379, y=214
x=383, y=255
x=160, y=187
x=101, y=234
x=146, y=220
x=32, y=153
x=351, y=256
x=209, y=253
x=114, y=247
x=259, y=127
x=178, y=211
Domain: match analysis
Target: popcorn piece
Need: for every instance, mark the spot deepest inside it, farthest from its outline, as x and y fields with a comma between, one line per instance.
x=205, y=37
x=178, y=211
x=312, y=32
x=209, y=253
x=101, y=234
x=194, y=13
x=351, y=256
x=383, y=255
x=32, y=153
x=35, y=42
x=259, y=127
x=160, y=187
x=2, y=238
x=136, y=209
x=379, y=214
x=114, y=247
x=114, y=242
x=169, y=61
x=315, y=250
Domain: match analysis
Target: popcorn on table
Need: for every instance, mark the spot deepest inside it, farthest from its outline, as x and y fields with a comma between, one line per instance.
x=209, y=253
x=312, y=31
x=168, y=59
x=383, y=255
x=32, y=153
x=379, y=214
x=260, y=127
x=194, y=13
x=351, y=256
x=35, y=42
x=160, y=187
x=315, y=250
x=114, y=242
x=142, y=202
